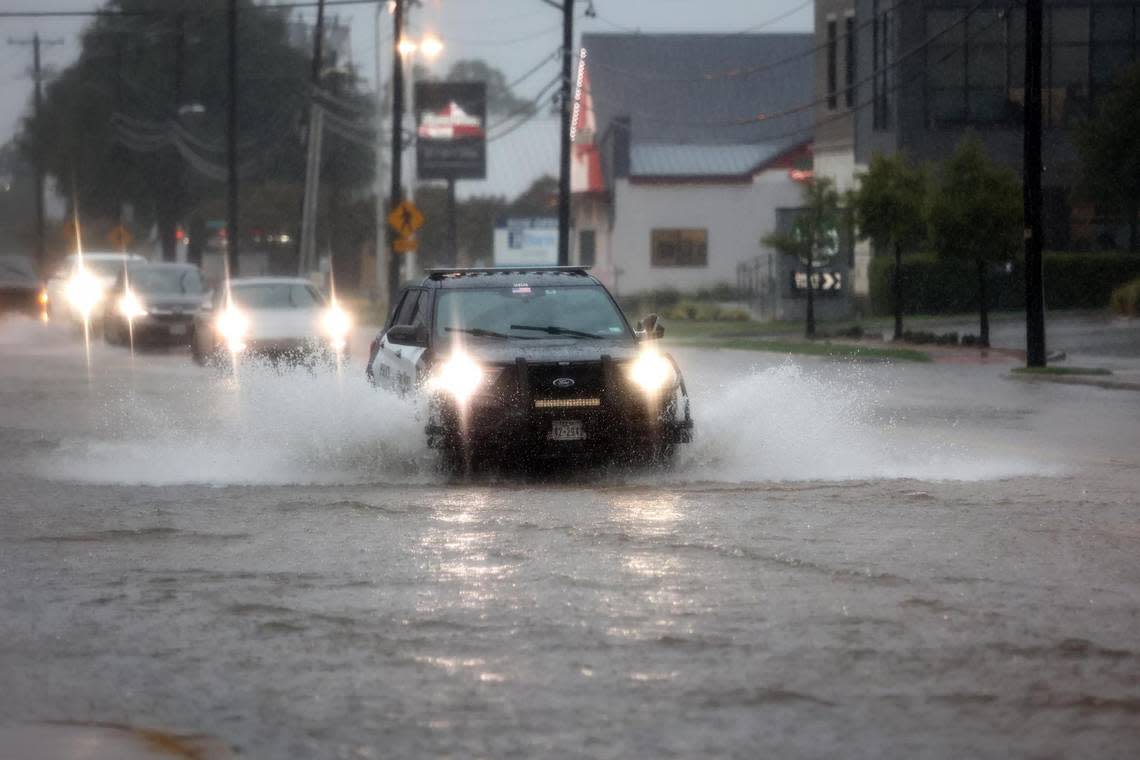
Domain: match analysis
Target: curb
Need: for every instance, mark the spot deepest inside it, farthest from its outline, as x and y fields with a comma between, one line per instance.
x=1095, y=382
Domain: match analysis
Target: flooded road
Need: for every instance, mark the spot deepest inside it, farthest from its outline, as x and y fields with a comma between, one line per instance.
x=856, y=561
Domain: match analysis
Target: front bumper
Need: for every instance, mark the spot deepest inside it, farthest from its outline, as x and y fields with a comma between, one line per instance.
x=292, y=350
x=172, y=329
x=611, y=419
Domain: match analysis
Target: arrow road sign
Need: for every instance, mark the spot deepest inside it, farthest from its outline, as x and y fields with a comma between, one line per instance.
x=830, y=281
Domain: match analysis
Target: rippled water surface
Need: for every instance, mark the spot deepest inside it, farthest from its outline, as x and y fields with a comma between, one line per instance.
x=856, y=561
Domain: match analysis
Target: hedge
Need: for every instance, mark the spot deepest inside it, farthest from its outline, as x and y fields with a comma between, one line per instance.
x=949, y=286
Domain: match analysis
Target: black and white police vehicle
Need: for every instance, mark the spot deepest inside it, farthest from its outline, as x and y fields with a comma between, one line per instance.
x=521, y=364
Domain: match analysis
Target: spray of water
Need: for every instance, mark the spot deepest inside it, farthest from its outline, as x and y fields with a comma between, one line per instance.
x=302, y=427
x=786, y=424
x=274, y=427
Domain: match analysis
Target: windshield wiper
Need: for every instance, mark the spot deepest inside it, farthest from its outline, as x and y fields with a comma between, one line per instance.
x=556, y=330
x=478, y=332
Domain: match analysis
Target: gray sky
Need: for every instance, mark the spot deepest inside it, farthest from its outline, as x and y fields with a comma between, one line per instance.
x=513, y=35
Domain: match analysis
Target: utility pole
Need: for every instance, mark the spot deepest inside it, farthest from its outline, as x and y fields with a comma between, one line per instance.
x=307, y=250
x=564, y=163
x=38, y=156
x=383, y=260
x=168, y=231
x=233, y=236
x=396, y=192
x=1031, y=183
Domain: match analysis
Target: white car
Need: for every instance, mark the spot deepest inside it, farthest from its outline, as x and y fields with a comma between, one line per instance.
x=278, y=318
x=77, y=290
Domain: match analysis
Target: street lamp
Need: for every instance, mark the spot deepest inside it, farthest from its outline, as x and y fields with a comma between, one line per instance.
x=429, y=47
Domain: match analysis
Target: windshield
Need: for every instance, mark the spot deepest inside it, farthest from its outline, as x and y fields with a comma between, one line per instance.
x=523, y=312
x=276, y=295
x=104, y=267
x=167, y=281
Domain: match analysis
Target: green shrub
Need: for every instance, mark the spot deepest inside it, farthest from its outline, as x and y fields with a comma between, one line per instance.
x=1125, y=300
x=945, y=286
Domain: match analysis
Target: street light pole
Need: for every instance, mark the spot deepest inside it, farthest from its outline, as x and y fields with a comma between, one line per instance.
x=232, y=231
x=564, y=162
x=38, y=153
x=396, y=192
x=307, y=245
x=1031, y=183
x=383, y=259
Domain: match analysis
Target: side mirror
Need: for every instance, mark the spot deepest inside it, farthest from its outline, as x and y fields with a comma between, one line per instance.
x=651, y=328
x=408, y=335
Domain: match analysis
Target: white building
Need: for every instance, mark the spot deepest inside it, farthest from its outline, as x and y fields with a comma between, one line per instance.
x=685, y=149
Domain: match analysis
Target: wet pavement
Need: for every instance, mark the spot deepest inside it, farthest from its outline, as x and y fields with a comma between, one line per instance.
x=850, y=560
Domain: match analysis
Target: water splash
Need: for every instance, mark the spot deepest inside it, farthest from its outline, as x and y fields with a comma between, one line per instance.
x=786, y=424
x=274, y=427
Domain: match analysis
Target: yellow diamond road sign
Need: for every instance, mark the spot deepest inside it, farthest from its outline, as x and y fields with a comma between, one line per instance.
x=406, y=219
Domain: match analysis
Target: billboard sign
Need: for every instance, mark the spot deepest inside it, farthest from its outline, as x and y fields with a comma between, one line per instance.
x=526, y=241
x=451, y=130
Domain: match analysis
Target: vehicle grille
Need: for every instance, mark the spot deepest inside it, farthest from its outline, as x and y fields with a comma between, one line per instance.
x=566, y=403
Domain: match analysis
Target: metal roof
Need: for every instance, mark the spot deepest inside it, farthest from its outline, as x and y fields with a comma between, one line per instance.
x=693, y=88
x=656, y=160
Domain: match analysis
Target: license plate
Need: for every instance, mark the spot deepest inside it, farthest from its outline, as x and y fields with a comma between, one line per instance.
x=566, y=430
x=178, y=329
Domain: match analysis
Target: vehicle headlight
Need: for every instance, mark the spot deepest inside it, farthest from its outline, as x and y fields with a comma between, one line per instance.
x=337, y=323
x=84, y=291
x=131, y=307
x=651, y=372
x=459, y=375
x=233, y=326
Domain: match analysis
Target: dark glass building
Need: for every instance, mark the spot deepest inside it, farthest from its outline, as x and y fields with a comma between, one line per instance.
x=927, y=71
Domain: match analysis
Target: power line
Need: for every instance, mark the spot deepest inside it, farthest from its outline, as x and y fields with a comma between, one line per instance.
x=800, y=108
x=142, y=12
x=918, y=73
x=755, y=28
x=745, y=71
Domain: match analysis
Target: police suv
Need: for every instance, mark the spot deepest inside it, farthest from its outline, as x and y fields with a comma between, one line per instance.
x=520, y=364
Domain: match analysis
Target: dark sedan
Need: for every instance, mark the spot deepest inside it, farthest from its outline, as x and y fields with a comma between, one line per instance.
x=154, y=304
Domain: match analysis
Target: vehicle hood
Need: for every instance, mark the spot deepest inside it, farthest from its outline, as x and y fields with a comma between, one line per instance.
x=172, y=302
x=283, y=324
x=549, y=351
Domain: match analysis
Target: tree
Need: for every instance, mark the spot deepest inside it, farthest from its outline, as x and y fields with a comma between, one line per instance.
x=114, y=129
x=500, y=99
x=976, y=215
x=890, y=211
x=1109, y=145
x=813, y=237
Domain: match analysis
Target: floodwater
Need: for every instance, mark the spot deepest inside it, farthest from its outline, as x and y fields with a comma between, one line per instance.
x=849, y=560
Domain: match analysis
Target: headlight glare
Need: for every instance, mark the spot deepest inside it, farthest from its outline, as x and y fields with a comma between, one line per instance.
x=459, y=376
x=131, y=307
x=337, y=323
x=84, y=291
x=651, y=372
x=233, y=325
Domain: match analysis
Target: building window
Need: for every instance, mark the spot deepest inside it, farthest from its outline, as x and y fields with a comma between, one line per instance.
x=849, y=63
x=832, y=65
x=1113, y=45
x=976, y=66
x=587, y=247
x=881, y=78
x=679, y=248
